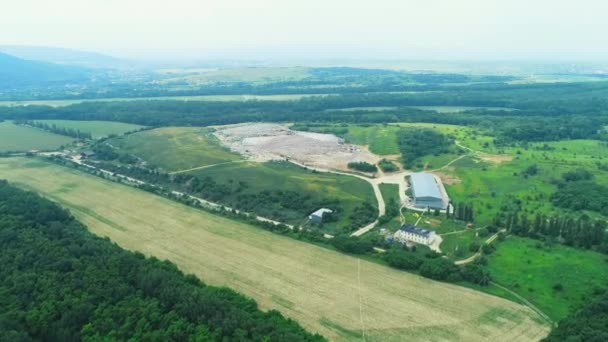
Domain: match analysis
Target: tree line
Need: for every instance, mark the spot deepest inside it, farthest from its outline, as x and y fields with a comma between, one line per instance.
x=589, y=324
x=544, y=112
x=281, y=205
x=581, y=232
x=61, y=283
x=53, y=128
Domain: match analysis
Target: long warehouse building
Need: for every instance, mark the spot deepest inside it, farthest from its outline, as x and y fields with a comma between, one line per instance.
x=426, y=192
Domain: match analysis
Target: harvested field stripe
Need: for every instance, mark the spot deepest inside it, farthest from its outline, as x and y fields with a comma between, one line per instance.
x=360, y=300
x=276, y=270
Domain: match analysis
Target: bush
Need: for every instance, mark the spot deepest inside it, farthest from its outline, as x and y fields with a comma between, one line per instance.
x=403, y=259
x=352, y=245
x=387, y=166
x=362, y=166
x=438, y=268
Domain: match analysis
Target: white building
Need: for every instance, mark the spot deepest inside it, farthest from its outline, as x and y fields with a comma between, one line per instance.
x=317, y=216
x=411, y=233
x=426, y=192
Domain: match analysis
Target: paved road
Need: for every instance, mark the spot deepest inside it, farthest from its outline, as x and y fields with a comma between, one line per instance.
x=394, y=178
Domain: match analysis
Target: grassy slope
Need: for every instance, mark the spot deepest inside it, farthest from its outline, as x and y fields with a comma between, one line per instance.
x=176, y=148
x=532, y=272
x=98, y=129
x=350, y=191
x=325, y=291
x=489, y=185
x=15, y=138
x=382, y=140
x=390, y=191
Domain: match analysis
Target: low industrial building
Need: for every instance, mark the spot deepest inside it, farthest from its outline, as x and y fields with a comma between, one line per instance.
x=317, y=216
x=86, y=154
x=410, y=233
x=426, y=192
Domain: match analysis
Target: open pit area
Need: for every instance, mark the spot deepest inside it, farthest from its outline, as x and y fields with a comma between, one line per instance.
x=268, y=141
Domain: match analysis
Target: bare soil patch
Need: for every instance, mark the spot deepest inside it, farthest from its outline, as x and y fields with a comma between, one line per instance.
x=496, y=158
x=448, y=179
x=268, y=141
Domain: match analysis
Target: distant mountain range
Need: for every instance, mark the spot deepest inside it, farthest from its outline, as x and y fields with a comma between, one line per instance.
x=63, y=56
x=16, y=72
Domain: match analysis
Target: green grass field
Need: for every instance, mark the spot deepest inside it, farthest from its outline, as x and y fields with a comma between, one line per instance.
x=350, y=191
x=339, y=296
x=14, y=138
x=382, y=140
x=490, y=185
x=390, y=191
x=532, y=270
x=176, y=148
x=98, y=129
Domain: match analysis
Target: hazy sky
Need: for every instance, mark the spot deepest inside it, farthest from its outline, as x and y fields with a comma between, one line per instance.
x=383, y=29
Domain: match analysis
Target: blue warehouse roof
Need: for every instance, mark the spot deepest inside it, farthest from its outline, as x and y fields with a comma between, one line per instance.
x=415, y=230
x=424, y=185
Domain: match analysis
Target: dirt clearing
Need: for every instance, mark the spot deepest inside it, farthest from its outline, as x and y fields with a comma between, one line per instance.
x=447, y=179
x=268, y=141
x=495, y=158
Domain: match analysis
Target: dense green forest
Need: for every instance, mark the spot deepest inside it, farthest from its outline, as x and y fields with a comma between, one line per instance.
x=418, y=142
x=58, y=282
x=541, y=112
x=590, y=324
x=330, y=80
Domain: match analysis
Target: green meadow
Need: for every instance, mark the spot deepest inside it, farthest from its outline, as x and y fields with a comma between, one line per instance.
x=492, y=186
x=349, y=191
x=176, y=148
x=15, y=138
x=98, y=129
x=556, y=278
x=390, y=191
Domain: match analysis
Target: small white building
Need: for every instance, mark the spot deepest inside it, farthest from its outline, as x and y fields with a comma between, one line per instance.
x=411, y=233
x=317, y=216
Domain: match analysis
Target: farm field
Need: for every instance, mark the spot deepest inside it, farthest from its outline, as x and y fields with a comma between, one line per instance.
x=63, y=103
x=535, y=271
x=339, y=296
x=458, y=109
x=98, y=129
x=348, y=191
x=259, y=75
x=176, y=148
x=14, y=138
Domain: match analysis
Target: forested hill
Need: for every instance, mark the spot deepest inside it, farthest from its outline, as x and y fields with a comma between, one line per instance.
x=16, y=72
x=58, y=282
